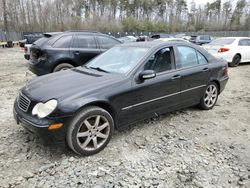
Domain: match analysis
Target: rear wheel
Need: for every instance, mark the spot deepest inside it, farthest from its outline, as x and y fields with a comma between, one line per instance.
x=90, y=131
x=63, y=66
x=210, y=96
x=236, y=61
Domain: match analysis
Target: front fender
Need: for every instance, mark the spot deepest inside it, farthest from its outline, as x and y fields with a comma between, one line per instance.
x=70, y=108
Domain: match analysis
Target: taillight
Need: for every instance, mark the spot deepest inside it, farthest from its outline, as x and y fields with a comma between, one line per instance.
x=225, y=71
x=223, y=50
x=25, y=49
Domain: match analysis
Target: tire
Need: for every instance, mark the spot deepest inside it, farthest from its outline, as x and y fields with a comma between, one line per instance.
x=209, y=97
x=62, y=66
x=236, y=61
x=90, y=131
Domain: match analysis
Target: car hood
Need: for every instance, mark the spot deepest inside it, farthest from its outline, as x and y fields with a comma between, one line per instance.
x=72, y=83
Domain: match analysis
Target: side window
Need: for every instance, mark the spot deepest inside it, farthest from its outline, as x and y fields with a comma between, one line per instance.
x=161, y=61
x=201, y=59
x=63, y=42
x=84, y=41
x=187, y=56
x=106, y=42
x=202, y=37
x=244, y=42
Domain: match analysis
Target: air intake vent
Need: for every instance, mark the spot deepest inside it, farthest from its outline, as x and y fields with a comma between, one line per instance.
x=23, y=102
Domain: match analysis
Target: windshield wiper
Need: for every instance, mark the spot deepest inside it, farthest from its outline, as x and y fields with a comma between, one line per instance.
x=99, y=69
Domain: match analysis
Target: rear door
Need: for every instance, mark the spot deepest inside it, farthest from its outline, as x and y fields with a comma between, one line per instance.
x=84, y=48
x=106, y=42
x=195, y=74
x=244, y=45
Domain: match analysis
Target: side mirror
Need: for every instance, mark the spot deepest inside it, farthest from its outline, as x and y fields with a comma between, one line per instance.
x=147, y=74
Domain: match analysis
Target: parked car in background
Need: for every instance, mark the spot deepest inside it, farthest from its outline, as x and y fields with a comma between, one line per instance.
x=161, y=35
x=56, y=52
x=29, y=39
x=127, y=39
x=234, y=50
x=128, y=83
x=27, y=42
x=27, y=51
x=200, y=39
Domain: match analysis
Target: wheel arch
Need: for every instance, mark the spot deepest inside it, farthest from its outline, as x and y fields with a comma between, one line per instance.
x=238, y=54
x=65, y=60
x=105, y=105
x=217, y=83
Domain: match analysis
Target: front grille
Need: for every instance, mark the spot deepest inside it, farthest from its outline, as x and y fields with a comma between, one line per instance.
x=23, y=102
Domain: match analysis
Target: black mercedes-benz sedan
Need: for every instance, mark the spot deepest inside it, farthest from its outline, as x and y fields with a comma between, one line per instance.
x=128, y=83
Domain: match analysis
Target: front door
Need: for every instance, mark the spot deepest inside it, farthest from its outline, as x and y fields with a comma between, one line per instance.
x=158, y=94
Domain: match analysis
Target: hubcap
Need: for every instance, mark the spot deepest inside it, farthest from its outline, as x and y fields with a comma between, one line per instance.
x=210, y=96
x=93, y=132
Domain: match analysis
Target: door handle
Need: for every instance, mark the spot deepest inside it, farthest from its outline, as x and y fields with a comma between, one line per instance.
x=77, y=52
x=205, y=69
x=177, y=76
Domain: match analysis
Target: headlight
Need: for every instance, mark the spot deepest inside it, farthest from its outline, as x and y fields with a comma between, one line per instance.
x=44, y=109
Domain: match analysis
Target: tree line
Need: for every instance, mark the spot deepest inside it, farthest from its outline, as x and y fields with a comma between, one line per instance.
x=124, y=15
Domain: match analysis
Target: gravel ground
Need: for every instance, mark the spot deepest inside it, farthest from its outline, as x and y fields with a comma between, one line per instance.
x=187, y=148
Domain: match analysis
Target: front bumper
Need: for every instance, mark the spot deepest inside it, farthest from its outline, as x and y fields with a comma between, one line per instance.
x=39, y=127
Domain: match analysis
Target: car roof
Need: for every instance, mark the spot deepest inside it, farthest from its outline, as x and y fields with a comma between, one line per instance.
x=153, y=44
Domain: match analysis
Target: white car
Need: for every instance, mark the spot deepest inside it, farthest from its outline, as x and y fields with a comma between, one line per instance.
x=234, y=50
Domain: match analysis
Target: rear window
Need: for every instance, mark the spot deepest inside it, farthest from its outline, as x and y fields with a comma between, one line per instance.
x=107, y=42
x=41, y=41
x=222, y=42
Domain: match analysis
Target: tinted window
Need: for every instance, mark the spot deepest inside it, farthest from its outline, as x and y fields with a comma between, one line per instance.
x=244, y=42
x=161, y=61
x=63, y=42
x=201, y=58
x=41, y=41
x=202, y=38
x=84, y=41
x=107, y=42
x=187, y=56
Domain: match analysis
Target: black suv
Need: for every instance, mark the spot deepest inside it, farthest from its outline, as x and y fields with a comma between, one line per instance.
x=60, y=51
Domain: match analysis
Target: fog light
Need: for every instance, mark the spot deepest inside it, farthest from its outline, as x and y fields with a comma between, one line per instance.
x=55, y=126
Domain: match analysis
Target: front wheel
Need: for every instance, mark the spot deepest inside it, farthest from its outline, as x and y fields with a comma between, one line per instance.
x=90, y=131
x=210, y=97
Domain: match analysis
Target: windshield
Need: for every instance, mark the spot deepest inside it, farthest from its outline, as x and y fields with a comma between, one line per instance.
x=118, y=59
x=222, y=42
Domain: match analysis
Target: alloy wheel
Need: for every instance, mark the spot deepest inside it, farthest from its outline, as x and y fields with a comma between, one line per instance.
x=210, y=96
x=93, y=132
